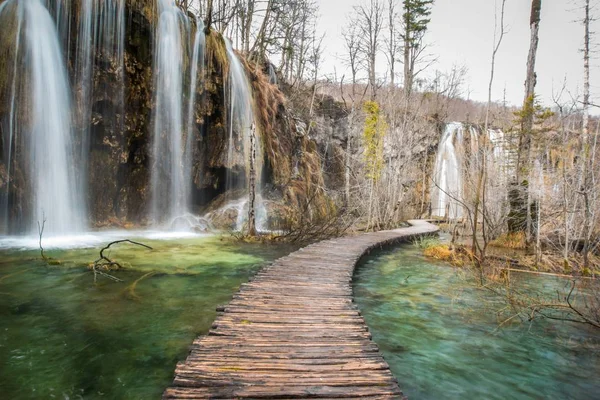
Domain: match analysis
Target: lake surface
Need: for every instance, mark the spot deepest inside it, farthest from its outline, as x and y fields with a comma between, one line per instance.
x=440, y=336
x=64, y=337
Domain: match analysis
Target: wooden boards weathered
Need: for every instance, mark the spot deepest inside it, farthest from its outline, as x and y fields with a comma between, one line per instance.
x=294, y=332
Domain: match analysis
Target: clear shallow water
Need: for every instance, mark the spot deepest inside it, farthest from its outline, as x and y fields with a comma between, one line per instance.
x=63, y=337
x=440, y=338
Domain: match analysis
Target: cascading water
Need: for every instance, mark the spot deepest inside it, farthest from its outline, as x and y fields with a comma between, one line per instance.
x=173, y=118
x=198, y=53
x=61, y=11
x=241, y=126
x=273, y=75
x=448, y=179
x=39, y=148
x=454, y=157
x=99, y=35
x=241, y=114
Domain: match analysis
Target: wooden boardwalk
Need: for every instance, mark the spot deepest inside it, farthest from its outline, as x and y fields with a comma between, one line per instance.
x=294, y=332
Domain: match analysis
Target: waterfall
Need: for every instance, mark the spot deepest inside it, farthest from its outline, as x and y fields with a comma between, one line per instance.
x=40, y=146
x=198, y=54
x=240, y=105
x=241, y=114
x=455, y=158
x=272, y=75
x=172, y=152
x=448, y=174
x=99, y=35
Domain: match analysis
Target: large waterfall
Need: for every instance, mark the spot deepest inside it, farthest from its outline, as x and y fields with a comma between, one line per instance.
x=94, y=134
x=37, y=138
x=174, y=112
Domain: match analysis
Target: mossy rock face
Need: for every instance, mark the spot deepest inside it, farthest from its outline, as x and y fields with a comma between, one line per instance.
x=225, y=219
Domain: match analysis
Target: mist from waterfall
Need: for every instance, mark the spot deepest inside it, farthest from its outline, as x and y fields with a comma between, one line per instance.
x=39, y=136
x=173, y=114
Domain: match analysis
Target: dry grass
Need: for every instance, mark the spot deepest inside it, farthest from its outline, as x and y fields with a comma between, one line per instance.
x=440, y=252
x=514, y=241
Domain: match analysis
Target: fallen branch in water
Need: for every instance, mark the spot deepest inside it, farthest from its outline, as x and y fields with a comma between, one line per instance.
x=106, y=264
x=131, y=288
x=47, y=260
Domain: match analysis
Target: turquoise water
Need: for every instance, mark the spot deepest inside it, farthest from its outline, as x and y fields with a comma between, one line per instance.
x=441, y=337
x=64, y=337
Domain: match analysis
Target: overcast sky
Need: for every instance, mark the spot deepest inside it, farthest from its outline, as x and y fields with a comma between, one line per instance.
x=461, y=32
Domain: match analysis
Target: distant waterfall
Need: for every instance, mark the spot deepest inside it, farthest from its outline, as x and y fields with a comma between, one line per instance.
x=37, y=138
x=460, y=149
x=448, y=174
x=171, y=179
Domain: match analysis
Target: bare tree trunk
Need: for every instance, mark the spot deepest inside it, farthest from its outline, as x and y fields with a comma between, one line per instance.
x=586, y=74
x=587, y=185
x=370, y=213
x=481, y=179
x=260, y=39
x=407, y=70
x=493, y=66
x=424, y=188
x=392, y=47
x=209, y=16
x=530, y=82
x=524, y=155
x=252, y=184
x=566, y=217
x=348, y=158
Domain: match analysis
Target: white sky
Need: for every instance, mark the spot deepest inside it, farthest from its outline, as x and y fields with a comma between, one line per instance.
x=461, y=32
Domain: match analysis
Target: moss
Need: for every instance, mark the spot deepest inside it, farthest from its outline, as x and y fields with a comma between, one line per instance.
x=217, y=60
x=373, y=137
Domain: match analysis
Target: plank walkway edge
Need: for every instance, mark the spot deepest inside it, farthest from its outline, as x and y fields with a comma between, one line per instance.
x=294, y=332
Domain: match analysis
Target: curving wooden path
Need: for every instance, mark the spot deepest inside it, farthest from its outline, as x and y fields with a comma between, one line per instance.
x=294, y=331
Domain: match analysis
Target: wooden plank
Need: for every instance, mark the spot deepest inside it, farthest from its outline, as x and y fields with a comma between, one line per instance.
x=293, y=332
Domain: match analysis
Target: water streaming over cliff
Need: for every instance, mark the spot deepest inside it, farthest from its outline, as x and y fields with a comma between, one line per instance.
x=86, y=148
x=38, y=140
x=242, y=124
x=460, y=153
x=173, y=114
x=448, y=174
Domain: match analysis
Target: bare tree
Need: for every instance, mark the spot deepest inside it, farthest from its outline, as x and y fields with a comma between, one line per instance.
x=586, y=176
x=370, y=23
x=392, y=42
x=521, y=193
x=482, y=171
